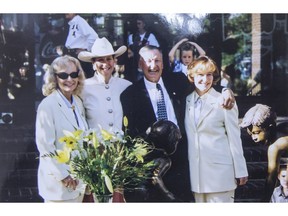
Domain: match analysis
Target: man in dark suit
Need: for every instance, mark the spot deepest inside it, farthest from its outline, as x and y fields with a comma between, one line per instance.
x=139, y=103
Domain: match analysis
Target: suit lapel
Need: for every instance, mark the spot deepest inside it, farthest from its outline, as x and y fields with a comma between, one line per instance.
x=65, y=110
x=146, y=103
x=208, y=106
x=190, y=101
x=81, y=111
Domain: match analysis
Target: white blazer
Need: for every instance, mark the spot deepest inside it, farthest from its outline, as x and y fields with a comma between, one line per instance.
x=214, y=146
x=102, y=102
x=53, y=116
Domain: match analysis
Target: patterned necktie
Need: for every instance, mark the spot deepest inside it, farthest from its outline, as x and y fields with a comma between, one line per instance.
x=161, y=108
x=198, y=105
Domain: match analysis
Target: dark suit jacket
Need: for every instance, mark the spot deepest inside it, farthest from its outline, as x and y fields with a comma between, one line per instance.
x=139, y=111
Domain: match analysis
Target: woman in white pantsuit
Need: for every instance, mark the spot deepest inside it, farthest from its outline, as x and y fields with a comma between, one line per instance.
x=216, y=160
x=61, y=110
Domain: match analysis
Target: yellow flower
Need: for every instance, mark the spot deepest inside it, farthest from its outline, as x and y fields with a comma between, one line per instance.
x=125, y=121
x=77, y=134
x=70, y=139
x=106, y=135
x=139, y=158
x=104, y=162
x=140, y=151
x=62, y=156
x=63, y=139
x=71, y=143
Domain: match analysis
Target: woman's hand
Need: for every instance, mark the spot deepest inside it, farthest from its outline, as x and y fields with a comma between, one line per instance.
x=70, y=183
x=242, y=180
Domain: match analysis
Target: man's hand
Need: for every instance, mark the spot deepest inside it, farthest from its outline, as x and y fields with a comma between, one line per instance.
x=228, y=99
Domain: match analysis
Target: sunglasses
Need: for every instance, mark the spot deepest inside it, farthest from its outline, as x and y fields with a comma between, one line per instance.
x=64, y=75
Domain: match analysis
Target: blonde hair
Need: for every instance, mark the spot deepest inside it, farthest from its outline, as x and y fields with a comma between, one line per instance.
x=61, y=63
x=203, y=64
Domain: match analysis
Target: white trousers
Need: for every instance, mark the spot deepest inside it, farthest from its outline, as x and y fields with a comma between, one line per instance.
x=78, y=199
x=220, y=197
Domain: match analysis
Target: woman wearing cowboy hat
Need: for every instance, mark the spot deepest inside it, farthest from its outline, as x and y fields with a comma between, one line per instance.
x=101, y=93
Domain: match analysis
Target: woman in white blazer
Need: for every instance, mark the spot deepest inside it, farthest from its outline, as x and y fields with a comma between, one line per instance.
x=215, y=153
x=101, y=93
x=61, y=110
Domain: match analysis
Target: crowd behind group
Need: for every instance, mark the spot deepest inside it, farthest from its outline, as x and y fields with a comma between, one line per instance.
x=186, y=95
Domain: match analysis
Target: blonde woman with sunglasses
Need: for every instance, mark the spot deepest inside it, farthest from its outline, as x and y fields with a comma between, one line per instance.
x=61, y=110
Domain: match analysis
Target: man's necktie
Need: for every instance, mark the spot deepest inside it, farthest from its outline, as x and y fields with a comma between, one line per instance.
x=198, y=105
x=161, y=108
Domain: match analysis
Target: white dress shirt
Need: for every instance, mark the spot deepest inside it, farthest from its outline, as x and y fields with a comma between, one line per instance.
x=153, y=93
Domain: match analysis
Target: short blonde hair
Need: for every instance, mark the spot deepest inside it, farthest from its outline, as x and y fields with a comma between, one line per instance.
x=203, y=64
x=61, y=63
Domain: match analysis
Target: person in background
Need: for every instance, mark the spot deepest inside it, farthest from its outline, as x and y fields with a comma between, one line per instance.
x=260, y=122
x=135, y=42
x=225, y=78
x=101, y=93
x=216, y=160
x=186, y=55
x=61, y=110
x=81, y=37
x=140, y=103
x=280, y=193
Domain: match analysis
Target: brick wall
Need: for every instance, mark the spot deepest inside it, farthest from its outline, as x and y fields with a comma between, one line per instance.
x=18, y=164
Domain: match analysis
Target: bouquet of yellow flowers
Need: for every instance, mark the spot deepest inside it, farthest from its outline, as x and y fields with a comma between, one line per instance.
x=105, y=161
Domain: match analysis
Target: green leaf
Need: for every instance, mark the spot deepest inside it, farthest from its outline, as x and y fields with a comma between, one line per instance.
x=108, y=183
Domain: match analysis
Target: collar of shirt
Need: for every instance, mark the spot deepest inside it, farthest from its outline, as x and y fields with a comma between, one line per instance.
x=281, y=192
x=184, y=68
x=69, y=105
x=196, y=97
x=151, y=85
x=203, y=97
x=153, y=92
x=73, y=106
x=101, y=79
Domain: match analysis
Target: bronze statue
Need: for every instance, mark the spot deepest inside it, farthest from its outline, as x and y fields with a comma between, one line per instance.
x=165, y=136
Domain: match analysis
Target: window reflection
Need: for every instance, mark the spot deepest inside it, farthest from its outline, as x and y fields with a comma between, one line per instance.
x=237, y=52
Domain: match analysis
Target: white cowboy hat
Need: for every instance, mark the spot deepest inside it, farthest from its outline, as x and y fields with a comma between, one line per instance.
x=101, y=47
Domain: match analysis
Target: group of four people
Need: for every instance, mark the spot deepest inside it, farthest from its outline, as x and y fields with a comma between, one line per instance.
x=212, y=148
